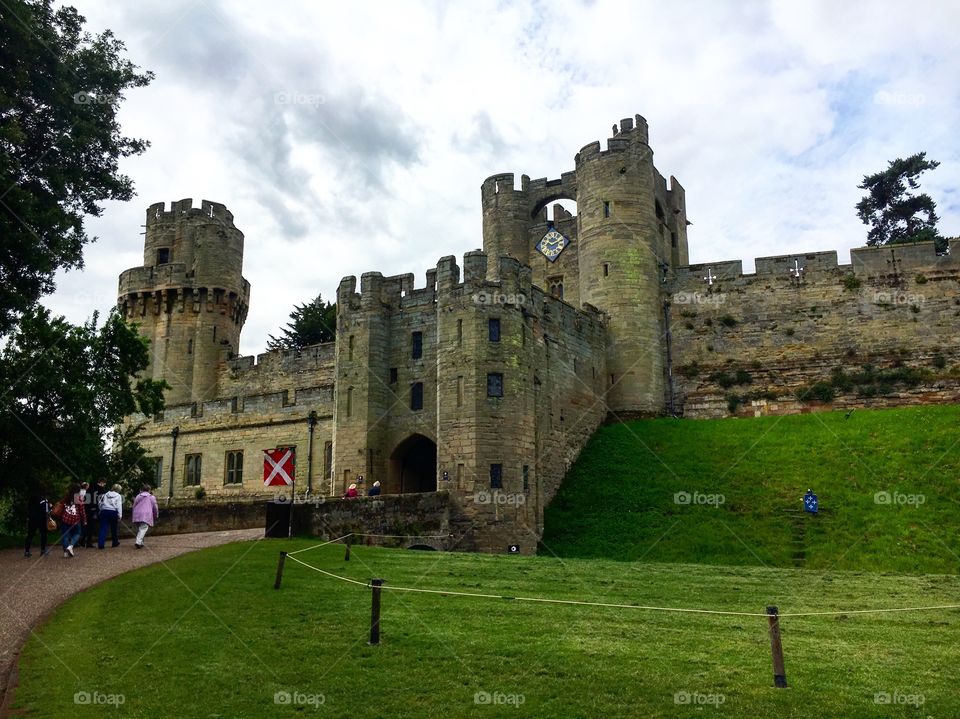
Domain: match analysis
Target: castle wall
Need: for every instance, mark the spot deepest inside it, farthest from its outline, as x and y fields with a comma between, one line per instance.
x=550, y=356
x=265, y=402
x=893, y=309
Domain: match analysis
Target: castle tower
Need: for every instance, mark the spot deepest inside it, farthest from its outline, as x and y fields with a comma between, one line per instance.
x=620, y=258
x=506, y=220
x=629, y=234
x=189, y=298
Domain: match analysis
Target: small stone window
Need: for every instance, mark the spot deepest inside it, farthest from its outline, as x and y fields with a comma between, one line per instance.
x=555, y=286
x=163, y=256
x=328, y=460
x=460, y=391
x=496, y=476
x=193, y=464
x=393, y=375
x=416, y=396
x=189, y=347
x=350, y=348
x=493, y=329
x=606, y=269
x=495, y=384
x=526, y=478
x=157, y=471
x=606, y=208
x=416, y=345
x=234, y=467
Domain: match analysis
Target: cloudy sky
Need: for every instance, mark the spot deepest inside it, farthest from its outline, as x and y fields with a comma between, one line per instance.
x=348, y=137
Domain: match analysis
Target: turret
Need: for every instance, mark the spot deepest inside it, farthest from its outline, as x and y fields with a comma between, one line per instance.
x=506, y=220
x=620, y=260
x=189, y=297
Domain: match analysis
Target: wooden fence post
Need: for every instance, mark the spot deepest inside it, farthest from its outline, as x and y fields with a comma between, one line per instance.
x=283, y=558
x=776, y=648
x=375, y=585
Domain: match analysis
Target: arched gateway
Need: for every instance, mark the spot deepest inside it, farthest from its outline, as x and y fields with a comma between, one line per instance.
x=413, y=466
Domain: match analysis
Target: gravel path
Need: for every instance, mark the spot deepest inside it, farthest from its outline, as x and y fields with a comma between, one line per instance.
x=30, y=589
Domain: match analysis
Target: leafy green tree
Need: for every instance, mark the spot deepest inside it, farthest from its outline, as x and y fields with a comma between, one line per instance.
x=896, y=215
x=310, y=323
x=60, y=142
x=63, y=388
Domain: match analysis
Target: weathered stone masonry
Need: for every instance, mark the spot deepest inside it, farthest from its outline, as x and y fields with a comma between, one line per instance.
x=484, y=384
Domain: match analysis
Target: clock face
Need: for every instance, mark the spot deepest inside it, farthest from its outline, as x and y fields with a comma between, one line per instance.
x=552, y=244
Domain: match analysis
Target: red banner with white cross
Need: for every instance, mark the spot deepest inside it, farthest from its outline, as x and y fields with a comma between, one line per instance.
x=278, y=467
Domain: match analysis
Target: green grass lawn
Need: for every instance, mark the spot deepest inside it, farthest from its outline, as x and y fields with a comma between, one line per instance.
x=618, y=501
x=208, y=636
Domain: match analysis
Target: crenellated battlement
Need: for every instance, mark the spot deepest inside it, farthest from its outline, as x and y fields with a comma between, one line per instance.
x=631, y=132
x=284, y=360
x=183, y=210
x=385, y=294
x=865, y=262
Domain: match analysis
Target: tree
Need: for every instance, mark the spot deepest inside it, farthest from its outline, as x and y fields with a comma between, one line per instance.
x=894, y=214
x=310, y=323
x=60, y=142
x=63, y=388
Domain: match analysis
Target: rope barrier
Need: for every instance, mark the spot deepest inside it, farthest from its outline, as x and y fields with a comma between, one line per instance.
x=403, y=536
x=315, y=546
x=329, y=574
x=608, y=605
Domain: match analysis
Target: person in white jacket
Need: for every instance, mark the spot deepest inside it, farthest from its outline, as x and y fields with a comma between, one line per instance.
x=111, y=511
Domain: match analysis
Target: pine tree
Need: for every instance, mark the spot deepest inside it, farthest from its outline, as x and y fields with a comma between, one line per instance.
x=894, y=214
x=310, y=323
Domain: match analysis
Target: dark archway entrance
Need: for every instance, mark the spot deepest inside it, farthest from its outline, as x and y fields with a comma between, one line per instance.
x=413, y=466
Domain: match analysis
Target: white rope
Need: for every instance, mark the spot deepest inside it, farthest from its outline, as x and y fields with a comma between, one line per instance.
x=329, y=574
x=403, y=536
x=324, y=544
x=573, y=602
x=871, y=611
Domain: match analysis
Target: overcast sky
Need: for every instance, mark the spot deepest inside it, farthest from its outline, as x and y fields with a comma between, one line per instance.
x=349, y=137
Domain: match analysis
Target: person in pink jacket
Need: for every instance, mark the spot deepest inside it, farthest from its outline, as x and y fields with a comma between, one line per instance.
x=144, y=513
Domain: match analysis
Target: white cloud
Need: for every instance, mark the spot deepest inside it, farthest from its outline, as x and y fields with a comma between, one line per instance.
x=769, y=114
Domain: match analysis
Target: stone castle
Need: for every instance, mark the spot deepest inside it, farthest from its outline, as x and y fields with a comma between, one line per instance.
x=485, y=383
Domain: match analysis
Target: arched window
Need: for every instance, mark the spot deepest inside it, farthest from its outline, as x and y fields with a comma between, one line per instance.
x=555, y=286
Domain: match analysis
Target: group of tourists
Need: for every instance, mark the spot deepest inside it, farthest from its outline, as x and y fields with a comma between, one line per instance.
x=85, y=513
x=352, y=491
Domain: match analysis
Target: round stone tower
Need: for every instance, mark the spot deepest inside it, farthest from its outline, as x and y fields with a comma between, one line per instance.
x=619, y=264
x=506, y=220
x=189, y=297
